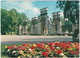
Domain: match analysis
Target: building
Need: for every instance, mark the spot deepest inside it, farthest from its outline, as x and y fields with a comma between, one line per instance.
x=57, y=16
x=45, y=26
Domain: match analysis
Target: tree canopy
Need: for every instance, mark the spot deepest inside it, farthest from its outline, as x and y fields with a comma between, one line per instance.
x=10, y=20
x=70, y=9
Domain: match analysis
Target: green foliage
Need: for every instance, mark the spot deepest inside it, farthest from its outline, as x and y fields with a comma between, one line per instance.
x=4, y=21
x=66, y=25
x=10, y=21
x=68, y=7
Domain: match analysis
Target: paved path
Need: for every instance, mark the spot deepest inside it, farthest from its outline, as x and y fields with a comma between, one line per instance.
x=12, y=39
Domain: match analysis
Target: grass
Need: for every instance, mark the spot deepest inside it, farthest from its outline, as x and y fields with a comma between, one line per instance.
x=3, y=48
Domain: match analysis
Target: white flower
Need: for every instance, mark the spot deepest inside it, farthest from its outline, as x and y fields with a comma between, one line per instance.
x=18, y=57
x=8, y=50
x=62, y=54
x=30, y=49
x=57, y=47
x=65, y=56
x=13, y=51
x=37, y=57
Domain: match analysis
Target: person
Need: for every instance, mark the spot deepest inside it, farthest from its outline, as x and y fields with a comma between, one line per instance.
x=46, y=32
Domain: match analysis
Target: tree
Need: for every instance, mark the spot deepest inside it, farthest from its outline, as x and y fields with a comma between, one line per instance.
x=10, y=21
x=4, y=21
x=13, y=20
x=70, y=9
x=66, y=25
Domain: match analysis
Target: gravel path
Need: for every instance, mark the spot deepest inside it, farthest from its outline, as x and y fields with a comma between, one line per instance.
x=12, y=39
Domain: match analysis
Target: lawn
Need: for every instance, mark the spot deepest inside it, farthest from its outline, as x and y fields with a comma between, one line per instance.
x=3, y=48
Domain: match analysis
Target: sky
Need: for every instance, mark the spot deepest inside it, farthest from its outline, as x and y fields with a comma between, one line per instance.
x=30, y=8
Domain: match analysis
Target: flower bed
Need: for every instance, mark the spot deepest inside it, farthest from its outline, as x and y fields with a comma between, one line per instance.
x=52, y=49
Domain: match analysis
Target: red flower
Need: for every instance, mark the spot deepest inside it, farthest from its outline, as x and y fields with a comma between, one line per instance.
x=32, y=47
x=79, y=44
x=50, y=43
x=25, y=45
x=77, y=47
x=75, y=43
x=20, y=48
x=57, y=44
x=72, y=52
x=9, y=47
x=45, y=54
x=40, y=45
x=23, y=48
x=52, y=48
x=64, y=46
x=14, y=46
x=76, y=52
x=69, y=43
x=63, y=41
x=59, y=51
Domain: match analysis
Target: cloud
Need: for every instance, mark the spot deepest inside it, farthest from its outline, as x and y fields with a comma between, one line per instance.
x=36, y=10
x=21, y=6
x=18, y=0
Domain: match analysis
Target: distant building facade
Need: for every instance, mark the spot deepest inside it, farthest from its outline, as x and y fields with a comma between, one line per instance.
x=57, y=16
x=47, y=27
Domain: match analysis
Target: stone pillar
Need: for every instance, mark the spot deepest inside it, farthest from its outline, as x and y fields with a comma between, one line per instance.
x=59, y=28
x=43, y=15
x=20, y=27
x=35, y=30
x=31, y=31
x=26, y=30
x=39, y=28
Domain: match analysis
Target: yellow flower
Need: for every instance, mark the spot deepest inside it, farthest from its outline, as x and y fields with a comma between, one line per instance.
x=57, y=42
x=18, y=57
x=24, y=55
x=46, y=46
x=5, y=46
x=20, y=52
x=34, y=45
x=29, y=55
x=70, y=48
